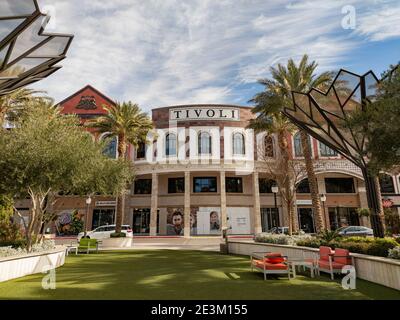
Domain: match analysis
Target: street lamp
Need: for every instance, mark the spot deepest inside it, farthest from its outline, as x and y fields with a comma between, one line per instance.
x=88, y=202
x=275, y=190
x=323, y=200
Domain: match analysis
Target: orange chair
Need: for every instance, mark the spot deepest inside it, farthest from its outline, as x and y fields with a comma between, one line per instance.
x=333, y=262
x=272, y=263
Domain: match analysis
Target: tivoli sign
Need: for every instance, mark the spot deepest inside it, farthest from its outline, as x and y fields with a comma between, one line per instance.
x=205, y=113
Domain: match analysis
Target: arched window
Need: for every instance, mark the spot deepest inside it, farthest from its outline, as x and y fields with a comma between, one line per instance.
x=269, y=146
x=238, y=144
x=204, y=143
x=298, y=149
x=170, y=144
x=386, y=183
x=141, y=151
x=303, y=186
x=111, y=148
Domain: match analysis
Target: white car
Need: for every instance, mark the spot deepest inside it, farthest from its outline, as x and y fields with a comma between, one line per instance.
x=355, y=231
x=104, y=232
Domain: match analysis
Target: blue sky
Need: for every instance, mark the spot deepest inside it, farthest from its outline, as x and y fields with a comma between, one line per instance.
x=166, y=52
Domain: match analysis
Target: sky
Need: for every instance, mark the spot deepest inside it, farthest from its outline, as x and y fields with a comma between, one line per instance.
x=168, y=52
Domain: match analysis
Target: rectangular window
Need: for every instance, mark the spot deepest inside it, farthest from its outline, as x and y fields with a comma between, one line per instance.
x=234, y=185
x=339, y=185
x=265, y=185
x=176, y=185
x=205, y=184
x=143, y=186
x=141, y=151
x=325, y=151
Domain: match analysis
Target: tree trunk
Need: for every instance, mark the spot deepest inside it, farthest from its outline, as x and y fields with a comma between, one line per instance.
x=312, y=180
x=381, y=212
x=122, y=147
x=284, y=152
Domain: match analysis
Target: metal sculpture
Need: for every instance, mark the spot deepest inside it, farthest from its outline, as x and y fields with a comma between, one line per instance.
x=27, y=53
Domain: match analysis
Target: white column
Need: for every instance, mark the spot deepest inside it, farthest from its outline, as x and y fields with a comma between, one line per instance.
x=154, y=204
x=186, y=230
x=257, y=206
x=223, y=200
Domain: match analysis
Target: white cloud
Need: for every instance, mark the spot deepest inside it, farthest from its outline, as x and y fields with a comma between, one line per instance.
x=161, y=52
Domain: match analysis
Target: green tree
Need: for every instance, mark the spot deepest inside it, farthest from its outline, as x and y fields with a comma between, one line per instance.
x=130, y=125
x=277, y=95
x=47, y=153
x=16, y=102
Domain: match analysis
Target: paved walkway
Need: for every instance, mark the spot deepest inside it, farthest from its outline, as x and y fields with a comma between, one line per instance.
x=171, y=243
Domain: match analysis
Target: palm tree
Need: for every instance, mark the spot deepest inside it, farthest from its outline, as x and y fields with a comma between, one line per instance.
x=130, y=125
x=278, y=94
x=14, y=103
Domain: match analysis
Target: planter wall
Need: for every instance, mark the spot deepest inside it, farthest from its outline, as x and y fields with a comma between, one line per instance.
x=116, y=243
x=24, y=265
x=379, y=270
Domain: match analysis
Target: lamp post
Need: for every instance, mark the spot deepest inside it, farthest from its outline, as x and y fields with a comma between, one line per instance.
x=88, y=202
x=323, y=200
x=275, y=190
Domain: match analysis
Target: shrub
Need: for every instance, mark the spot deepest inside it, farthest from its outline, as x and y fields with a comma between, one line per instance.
x=394, y=253
x=311, y=243
x=272, y=238
x=118, y=235
x=328, y=235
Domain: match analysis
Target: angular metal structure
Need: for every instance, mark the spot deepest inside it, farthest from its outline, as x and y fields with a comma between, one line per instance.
x=27, y=53
x=322, y=115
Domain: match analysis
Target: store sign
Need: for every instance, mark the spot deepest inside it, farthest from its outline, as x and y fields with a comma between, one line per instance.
x=106, y=203
x=205, y=113
x=304, y=202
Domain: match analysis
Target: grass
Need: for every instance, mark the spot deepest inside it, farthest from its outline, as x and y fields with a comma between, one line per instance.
x=168, y=274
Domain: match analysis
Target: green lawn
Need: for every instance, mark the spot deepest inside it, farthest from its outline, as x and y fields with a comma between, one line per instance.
x=168, y=274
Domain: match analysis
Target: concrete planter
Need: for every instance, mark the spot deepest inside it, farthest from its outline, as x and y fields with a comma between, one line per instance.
x=24, y=265
x=116, y=243
x=383, y=271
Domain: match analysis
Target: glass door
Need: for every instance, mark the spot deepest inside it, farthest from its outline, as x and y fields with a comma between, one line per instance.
x=306, y=219
x=141, y=221
x=269, y=218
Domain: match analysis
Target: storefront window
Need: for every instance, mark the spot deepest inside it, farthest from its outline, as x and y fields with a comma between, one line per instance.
x=343, y=217
x=265, y=185
x=102, y=217
x=339, y=185
x=143, y=186
x=234, y=185
x=176, y=185
x=141, y=221
x=269, y=218
x=205, y=184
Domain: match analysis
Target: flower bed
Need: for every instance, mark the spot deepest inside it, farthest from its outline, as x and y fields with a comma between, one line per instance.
x=9, y=251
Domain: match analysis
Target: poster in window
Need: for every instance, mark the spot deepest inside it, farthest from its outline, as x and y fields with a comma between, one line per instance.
x=175, y=221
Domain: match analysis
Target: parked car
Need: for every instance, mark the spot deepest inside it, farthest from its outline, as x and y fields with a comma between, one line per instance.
x=104, y=232
x=355, y=231
x=279, y=230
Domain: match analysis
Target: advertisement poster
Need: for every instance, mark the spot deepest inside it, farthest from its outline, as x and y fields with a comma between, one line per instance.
x=238, y=220
x=175, y=221
x=206, y=221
